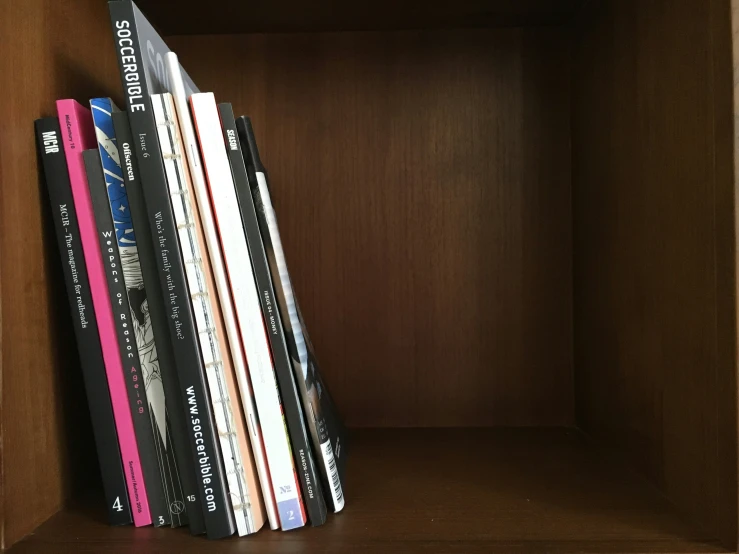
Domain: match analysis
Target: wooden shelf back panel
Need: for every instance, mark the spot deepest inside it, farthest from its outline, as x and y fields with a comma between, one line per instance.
x=422, y=184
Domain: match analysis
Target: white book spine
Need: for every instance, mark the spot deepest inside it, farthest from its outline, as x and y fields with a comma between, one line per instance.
x=248, y=311
x=210, y=348
x=200, y=187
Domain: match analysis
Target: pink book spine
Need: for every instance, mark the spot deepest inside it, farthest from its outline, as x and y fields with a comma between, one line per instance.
x=78, y=135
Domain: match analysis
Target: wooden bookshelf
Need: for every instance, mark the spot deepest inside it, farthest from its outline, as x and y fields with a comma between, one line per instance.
x=511, y=226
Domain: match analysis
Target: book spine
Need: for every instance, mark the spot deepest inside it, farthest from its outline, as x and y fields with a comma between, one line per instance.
x=158, y=313
x=180, y=96
x=219, y=520
x=125, y=242
x=126, y=340
x=329, y=437
x=77, y=136
x=48, y=134
x=310, y=483
x=248, y=312
x=229, y=419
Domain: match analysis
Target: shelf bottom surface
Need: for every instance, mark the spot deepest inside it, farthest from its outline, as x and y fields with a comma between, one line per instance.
x=439, y=490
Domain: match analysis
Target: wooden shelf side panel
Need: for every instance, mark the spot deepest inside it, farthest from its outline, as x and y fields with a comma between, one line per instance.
x=50, y=50
x=655, y=255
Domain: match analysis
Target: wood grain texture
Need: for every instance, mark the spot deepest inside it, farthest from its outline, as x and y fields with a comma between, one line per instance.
x=723, y=74
x=422, y=185
x=727, y=155
x=238, y=16
x=654, y=264
x=442, y=491
x=46, y=453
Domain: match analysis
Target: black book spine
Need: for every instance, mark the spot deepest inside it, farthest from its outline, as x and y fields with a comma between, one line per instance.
x=291, y=403
x=48, y=135
x=158, y=313
x=126, y=340
x=327, y=431
x=219, y=519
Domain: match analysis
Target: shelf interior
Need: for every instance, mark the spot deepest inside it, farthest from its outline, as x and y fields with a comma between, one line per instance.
x=525, y=224
x=443, y=490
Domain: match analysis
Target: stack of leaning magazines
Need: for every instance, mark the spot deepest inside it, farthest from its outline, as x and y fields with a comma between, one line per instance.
x=207, y=404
